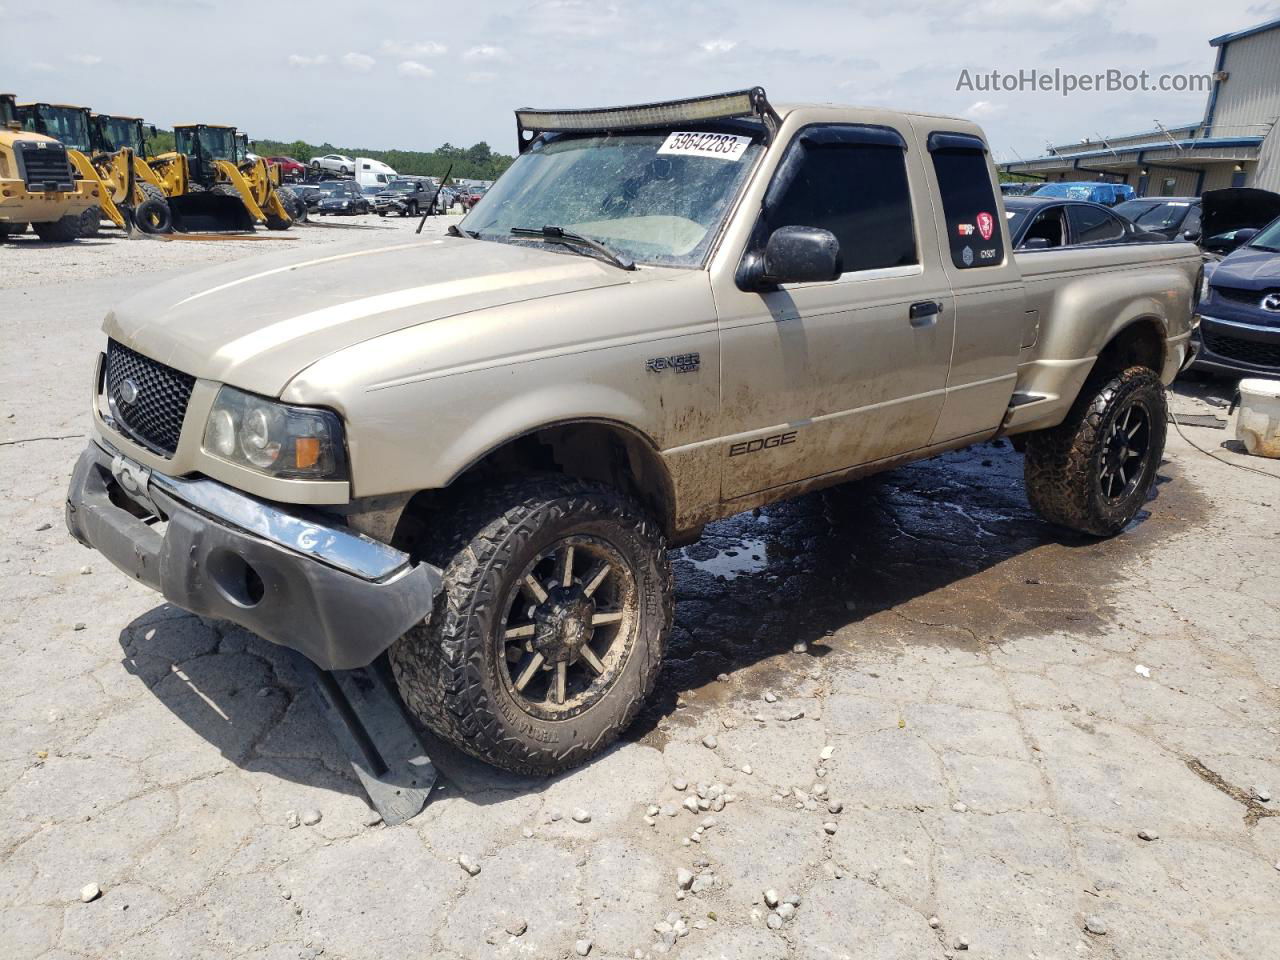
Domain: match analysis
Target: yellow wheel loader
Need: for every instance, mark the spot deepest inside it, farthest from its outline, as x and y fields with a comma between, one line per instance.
x=212, y=185
x=38, y=184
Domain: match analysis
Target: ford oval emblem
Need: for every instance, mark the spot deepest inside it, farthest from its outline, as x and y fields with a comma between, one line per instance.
x=128, y=391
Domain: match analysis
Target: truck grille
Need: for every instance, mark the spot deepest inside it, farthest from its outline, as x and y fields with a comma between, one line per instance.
x=1243, y=351
x=160, y=396
x=44, y=166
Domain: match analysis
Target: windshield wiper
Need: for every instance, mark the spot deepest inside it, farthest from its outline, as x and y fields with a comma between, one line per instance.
x=560, y=235
x=453, y=231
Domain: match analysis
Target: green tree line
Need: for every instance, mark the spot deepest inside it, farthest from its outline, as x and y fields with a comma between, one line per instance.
x=477, y=162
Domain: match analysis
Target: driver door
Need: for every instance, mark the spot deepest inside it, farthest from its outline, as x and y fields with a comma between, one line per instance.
x=821, y=377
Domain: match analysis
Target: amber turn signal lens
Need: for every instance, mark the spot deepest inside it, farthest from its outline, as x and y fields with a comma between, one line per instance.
x=306, y=452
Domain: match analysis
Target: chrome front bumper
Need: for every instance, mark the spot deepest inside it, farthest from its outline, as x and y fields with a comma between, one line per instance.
x=332, y=594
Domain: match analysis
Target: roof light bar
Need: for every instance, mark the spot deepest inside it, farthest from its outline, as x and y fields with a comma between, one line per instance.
x=720, y=106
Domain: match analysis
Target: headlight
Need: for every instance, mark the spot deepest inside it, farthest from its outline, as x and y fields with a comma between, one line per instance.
x=275, y=438
x=346, y=203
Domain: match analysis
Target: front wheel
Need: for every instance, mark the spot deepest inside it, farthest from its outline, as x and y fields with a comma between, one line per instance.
x=62, y=230
x=1092, y=472
x=550, y=630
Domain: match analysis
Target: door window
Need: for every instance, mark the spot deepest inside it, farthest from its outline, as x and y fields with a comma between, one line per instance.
x=854, y=184
x=968, y=201
x=1094, y=225
x=1192, y=222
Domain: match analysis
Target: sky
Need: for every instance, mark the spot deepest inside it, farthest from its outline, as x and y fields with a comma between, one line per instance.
x=413, y=75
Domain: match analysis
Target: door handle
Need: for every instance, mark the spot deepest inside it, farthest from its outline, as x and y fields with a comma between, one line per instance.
x=925, y=313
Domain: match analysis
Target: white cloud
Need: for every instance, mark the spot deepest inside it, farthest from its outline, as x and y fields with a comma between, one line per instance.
x=424, y=48
x=300, y=60
x=85, y=59
x=715, y=47
x=41, y=67
x=485, y=52
x=983, y=108
x=482, y=76
x=411, y=68
x=358, y=61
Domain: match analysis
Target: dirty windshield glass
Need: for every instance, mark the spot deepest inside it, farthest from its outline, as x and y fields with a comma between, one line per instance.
x=68, y=125
x=647, y=195
x=118, y=134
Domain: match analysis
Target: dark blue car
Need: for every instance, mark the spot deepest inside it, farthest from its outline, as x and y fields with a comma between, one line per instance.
x=1240, y=311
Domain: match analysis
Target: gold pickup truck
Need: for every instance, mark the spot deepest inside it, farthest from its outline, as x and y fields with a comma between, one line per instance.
x=472, y=452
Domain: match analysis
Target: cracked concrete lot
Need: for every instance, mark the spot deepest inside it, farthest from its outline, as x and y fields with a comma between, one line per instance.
x=900, y=719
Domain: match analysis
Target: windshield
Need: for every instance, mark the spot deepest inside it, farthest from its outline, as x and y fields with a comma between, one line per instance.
x=219, y=143
x=1163, y=216
x=332, y=189
x=1017, y=216
x=400, y=186
x=118, y=133
x=630, y=191
x=68, y=125
x=1268, y=239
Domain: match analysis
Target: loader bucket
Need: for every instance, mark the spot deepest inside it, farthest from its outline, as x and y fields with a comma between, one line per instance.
x=209, y=213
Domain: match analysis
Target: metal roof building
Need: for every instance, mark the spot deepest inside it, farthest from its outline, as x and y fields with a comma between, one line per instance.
x=1236, y=144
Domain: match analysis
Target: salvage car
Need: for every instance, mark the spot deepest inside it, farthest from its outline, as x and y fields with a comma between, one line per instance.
x=1171, y=217
x=472, y=452
x=1240, y=311
x=406, y=197
x=336, y=163
x=290, y=169
x=342, y=197
x=1043, y=223
x=1107, y=194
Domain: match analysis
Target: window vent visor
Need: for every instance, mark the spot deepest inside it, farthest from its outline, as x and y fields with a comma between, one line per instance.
x=943, y=140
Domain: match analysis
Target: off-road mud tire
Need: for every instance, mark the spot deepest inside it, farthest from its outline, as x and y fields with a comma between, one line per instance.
x=63, y=230
x=1063, y=464
x=448, y=668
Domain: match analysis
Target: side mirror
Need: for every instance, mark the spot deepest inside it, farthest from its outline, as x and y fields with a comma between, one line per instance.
x=1034, y=243
x=1244, y=235
x=801, y=255
x=1192, y=235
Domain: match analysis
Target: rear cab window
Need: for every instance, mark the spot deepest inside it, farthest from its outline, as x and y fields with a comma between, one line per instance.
x=1094, y=225
x=850, y=179
x=975, y=234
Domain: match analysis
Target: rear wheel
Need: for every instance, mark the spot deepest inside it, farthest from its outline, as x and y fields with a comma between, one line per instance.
x=60, y=231
x=550, y=630
x=1092, y=472
x=293, y=203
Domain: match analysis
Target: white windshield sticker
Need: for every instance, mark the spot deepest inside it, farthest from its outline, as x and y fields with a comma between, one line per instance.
x=722, y=146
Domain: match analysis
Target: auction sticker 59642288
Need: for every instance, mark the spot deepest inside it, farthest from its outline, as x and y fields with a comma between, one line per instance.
x=721, y=146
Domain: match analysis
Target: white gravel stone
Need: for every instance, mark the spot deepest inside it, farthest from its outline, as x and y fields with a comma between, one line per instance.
x=1148, y=835
x=786, y=910
x=827, y=752
x=680, y=783
x=1262, y=793
x=581, y=816
x=90, y=892
x=746, y=768
x=670, y=809
x=517, y=927
x=959, y=807
x=690, y=804
x=962, y=944
x=829, y=827
x=291, y=819
x=835, y=806
x=770, y=697
x=708, y=823
x=684, y=878
x=710, y=741
x=774, y=922
x=800, y=648
x=582, y=947
x=1095, y=925
x=934, y=923
x=311, y=817
x=771, y=898
x=468, y=864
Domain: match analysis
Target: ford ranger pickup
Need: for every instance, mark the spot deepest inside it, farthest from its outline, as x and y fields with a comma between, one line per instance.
x=472, y=452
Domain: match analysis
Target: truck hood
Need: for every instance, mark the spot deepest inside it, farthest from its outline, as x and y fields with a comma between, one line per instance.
x=1236, y=208
x=257, y=323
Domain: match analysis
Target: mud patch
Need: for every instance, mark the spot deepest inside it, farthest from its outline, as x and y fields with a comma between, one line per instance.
x=944, y=552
